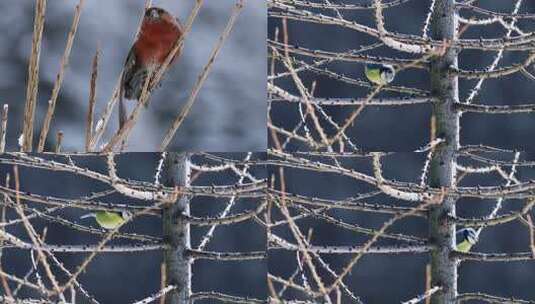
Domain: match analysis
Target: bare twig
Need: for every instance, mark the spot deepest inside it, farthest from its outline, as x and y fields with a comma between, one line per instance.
x=92, y=101
x=59, y=141
x=59, y=77
x=33, y=75
x=202, y=77
x=3, y=128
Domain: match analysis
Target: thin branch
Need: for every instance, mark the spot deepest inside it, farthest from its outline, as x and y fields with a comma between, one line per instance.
x=92, y=101
x=495, y=109
x=423, y=296
x=225, y=298
x=59, y=77
x=157, y=295
x=202, y=77
x=3, y=128
x=227, y=256
x=33, y=76
x=465, y=297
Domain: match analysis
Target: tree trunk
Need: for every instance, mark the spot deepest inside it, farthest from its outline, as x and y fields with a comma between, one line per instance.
x=176, y=231
x=444, y=87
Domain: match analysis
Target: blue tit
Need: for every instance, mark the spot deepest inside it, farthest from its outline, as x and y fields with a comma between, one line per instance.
x=466, y=238
x=380, y=74
x=109, y=220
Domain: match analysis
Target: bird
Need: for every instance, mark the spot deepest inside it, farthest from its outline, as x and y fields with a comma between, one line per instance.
x=109, y=220
x=467, y=237
x=157, y=37
x=380, y=74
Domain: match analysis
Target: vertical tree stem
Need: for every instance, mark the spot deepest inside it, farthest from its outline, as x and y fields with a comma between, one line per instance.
x=176, y=231
x=33, y=75
x=444, y=87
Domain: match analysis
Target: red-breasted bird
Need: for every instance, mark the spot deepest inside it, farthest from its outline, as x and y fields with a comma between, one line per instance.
x=158, y=35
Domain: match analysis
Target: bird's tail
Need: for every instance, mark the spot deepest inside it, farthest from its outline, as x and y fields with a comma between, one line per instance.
x=122, y=112
x=87, y=215
x=122, y=118
x=122, y=106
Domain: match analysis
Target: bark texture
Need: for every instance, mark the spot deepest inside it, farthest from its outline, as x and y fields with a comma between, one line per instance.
x=176, y=231
x=444, y=87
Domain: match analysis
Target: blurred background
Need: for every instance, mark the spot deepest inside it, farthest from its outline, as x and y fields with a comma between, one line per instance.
x=394, y=278
x=230, y=111
x=406, y=128
x=128, y=277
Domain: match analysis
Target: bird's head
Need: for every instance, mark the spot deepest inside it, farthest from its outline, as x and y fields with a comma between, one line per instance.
x=470, y=235
x=387, y=73
x=155, y=13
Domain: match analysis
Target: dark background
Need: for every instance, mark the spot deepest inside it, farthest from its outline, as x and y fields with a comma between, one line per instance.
x=407, y=128
x=127, y=277
x=228, y=115
x=394, y=278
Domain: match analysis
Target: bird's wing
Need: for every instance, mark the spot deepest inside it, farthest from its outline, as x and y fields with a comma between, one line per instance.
x=122, y=113
x=126, y=78
x=109, y=220
x=374, y=75
x=129, y=69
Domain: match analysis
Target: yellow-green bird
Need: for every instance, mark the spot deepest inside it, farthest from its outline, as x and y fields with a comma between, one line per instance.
x=109, y=220
x=380, y=74
x=466, y=238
